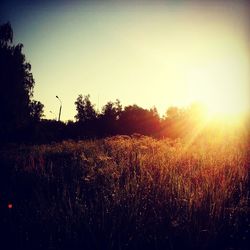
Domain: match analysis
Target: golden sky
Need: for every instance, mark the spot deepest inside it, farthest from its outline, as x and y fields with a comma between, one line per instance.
x=154, y=54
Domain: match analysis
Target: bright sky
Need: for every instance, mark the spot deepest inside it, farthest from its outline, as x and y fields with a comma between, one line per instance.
x=146, y=54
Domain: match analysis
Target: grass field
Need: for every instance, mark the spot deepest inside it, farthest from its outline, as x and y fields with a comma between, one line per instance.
x=126, y=193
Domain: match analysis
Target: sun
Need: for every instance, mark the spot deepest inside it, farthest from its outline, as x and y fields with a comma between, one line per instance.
x=222, y=87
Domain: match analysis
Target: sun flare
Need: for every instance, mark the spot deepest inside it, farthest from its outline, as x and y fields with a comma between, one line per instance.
x=222, y=88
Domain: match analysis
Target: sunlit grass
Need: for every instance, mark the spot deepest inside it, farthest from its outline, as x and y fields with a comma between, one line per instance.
x=132, y=192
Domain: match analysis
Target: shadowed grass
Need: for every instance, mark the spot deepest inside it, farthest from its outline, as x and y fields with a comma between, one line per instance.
x=127, y=193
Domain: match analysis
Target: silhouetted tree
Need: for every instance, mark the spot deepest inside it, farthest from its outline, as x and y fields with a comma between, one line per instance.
x=173, y=123
x=135, y=119
x=155, y=122
x=86, y=118
x=183, y=122
x=6, y=34
x=174, y=113
x=85, y=109
x=112, y=110
x=36, y=110
x=17, y=83
x=108, y=120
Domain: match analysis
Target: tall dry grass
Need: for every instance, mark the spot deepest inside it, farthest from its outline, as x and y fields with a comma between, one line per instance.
x=128, y=193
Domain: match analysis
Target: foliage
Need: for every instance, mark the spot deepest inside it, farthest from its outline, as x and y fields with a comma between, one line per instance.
x=85, y=109
x=112, y=111
x=16, y=82
x=36, y=110
x=109, y=118
x=135, y=119
x=114, y=119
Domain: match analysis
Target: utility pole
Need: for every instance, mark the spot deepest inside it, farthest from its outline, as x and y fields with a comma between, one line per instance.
x=60, y=109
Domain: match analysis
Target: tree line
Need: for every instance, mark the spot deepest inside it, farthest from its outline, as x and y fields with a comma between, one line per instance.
x=21, y=117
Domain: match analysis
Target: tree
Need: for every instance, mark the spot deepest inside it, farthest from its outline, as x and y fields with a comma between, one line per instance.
x=36, y=110
x=112, y=110
x=6, y=34
x=135, y=119
x=111, y=113
x=173, y=124
x=16, y=82
x=85, y=109
x=183, y=122
x=174, y=113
